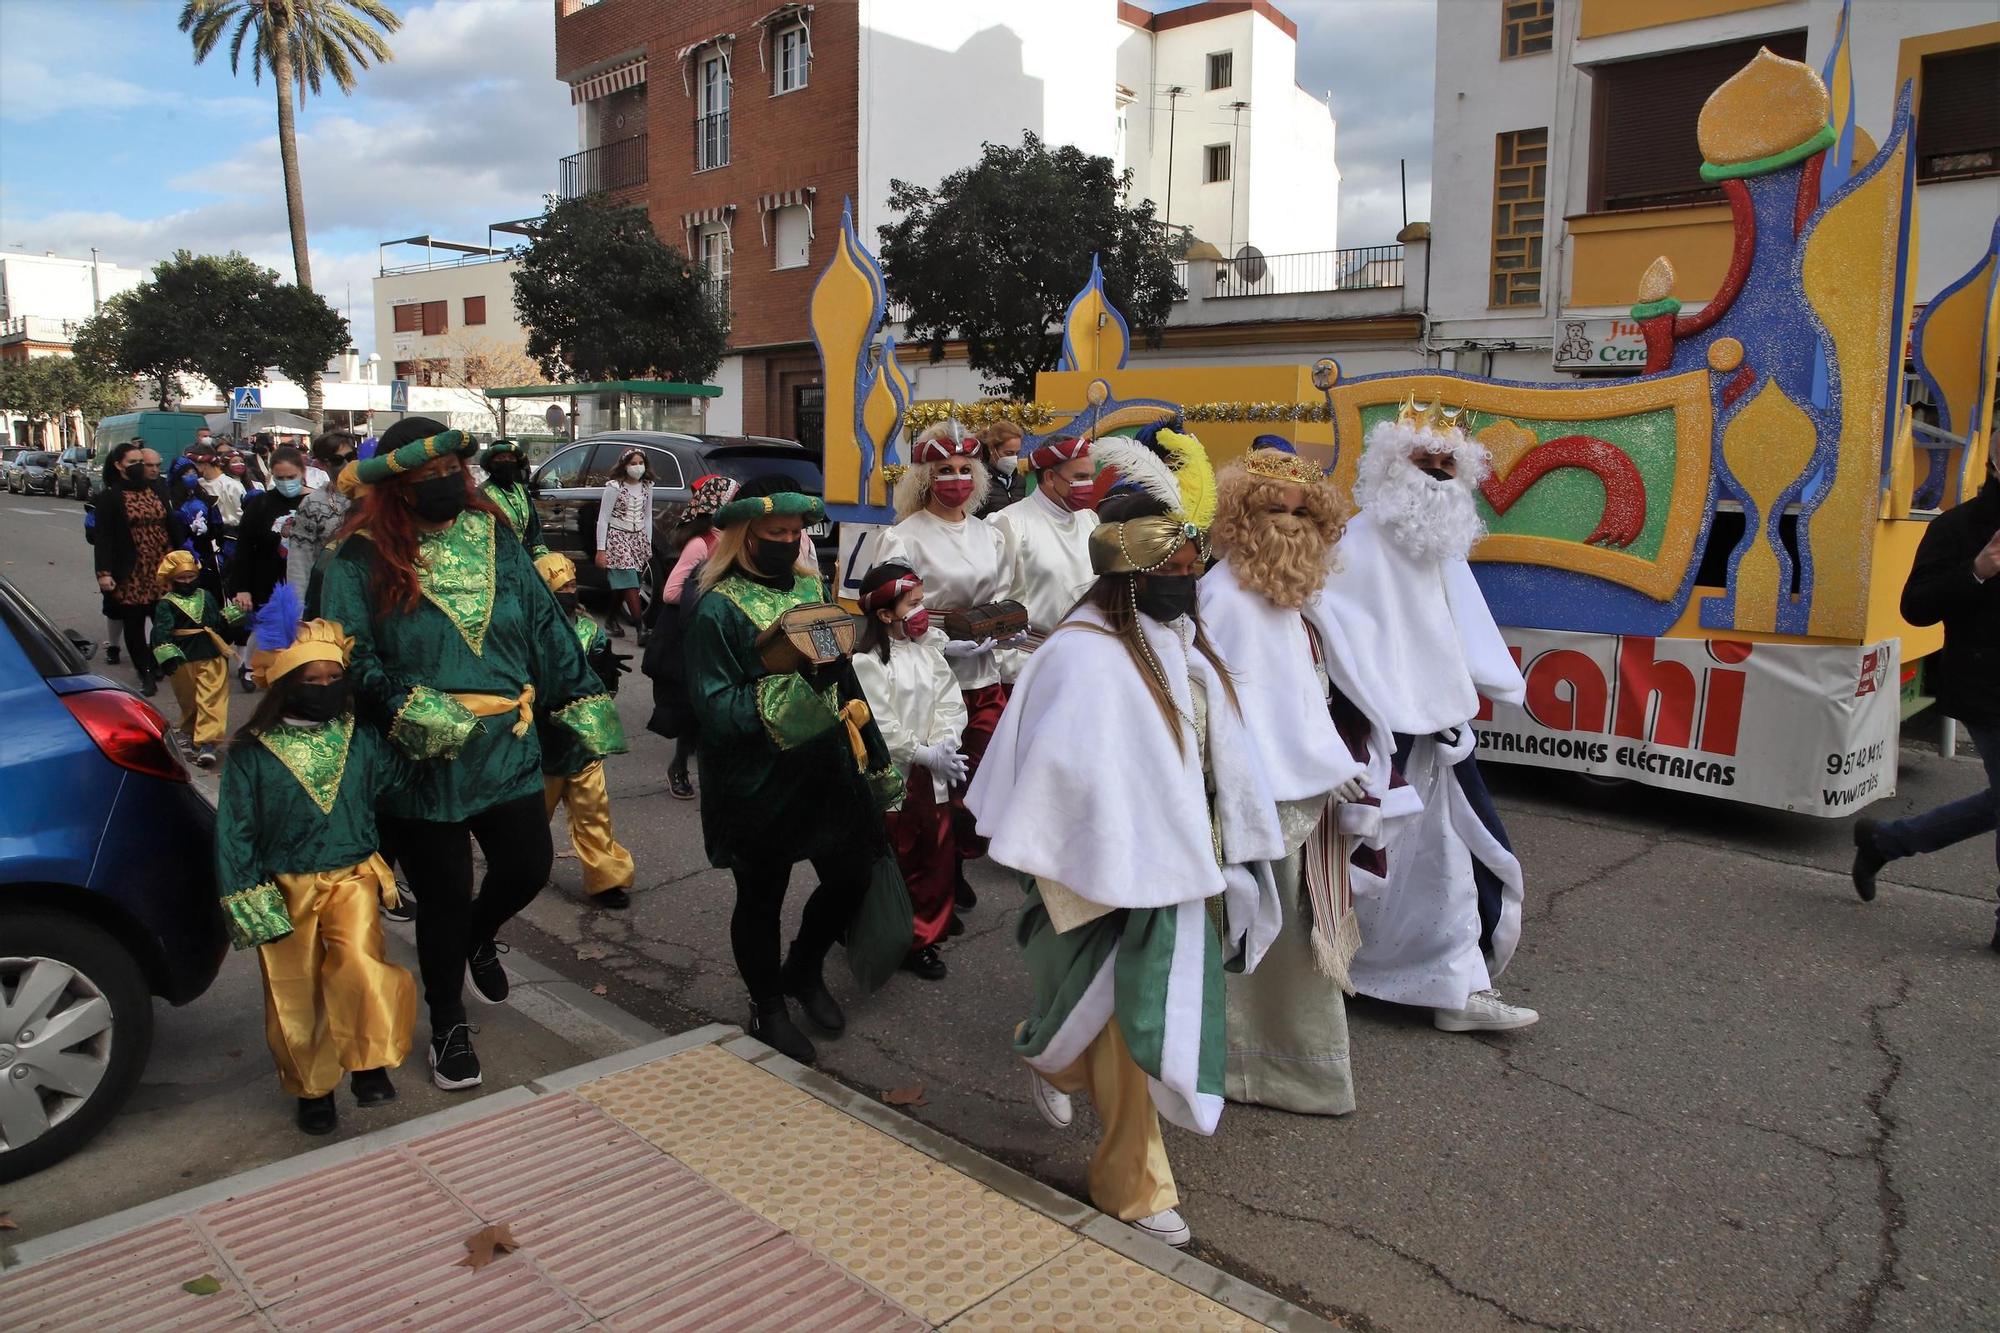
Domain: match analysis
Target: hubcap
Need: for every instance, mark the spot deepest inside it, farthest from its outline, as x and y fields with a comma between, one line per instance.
x=57, y=1028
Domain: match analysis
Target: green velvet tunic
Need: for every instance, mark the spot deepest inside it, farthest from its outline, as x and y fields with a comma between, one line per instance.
x=522, y=516
x=296, y=801
x=176, y=613
x=779, y=782
x=564, y=754
x=487, y=625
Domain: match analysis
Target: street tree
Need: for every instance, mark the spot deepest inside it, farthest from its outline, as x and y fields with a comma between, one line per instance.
x=995, y=252
x=603, y=298
x=303, y=43
x=46, y=389
x=472, y=365
x=132, y=336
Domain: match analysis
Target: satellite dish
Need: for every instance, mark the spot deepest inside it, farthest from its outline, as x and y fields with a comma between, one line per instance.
x=1250, y=264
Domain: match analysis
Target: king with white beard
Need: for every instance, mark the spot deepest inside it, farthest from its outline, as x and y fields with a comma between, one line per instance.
x=1442, y=920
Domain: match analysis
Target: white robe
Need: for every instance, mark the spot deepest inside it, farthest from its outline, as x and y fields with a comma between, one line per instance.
x=963, y=565
x=916, y=701
x=1048, y=558
x=1425, y=648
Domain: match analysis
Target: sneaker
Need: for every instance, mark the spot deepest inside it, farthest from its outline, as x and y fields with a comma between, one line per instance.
x=372, y=1087
x=925, y=963
x=244, y=681
x=489, y=978
x=1867, y=860
x=111, y=653
x=1053, y=1106
x=1484, y=1012
x=317, y=1115
x=406, y=905
x=205, y=756
x=678, y=784
x=616, y=899
x=1166, y=1226
x=771, y=1023
x=454, y=1067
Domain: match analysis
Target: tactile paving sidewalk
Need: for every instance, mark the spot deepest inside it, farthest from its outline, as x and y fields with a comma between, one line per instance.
x=693, y=1191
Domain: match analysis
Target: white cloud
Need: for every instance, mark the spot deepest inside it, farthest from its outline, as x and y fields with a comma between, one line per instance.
x=54, y=59
x=1378, y=58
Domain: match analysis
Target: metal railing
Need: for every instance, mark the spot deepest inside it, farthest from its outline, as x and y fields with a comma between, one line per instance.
x=40, y=328
x=610, y=166
x=1312, y=271
x=460, y=261
x=711, y=140
x=718, y=299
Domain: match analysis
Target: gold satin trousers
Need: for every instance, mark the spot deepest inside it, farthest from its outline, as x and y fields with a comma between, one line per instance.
x=333, y=1002
x=1129, y=1175
x=202, y=689
x=606, y=864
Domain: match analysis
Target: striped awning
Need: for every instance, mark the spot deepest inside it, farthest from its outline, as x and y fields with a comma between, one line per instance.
x=615, y=80
x=770, y=203
x=706, y=217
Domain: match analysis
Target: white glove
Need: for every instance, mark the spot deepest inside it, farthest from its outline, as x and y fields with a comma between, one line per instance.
x=1350, y=791
x=943, y=760
x=961, y=648
x=1014, y=640
x=198, y=526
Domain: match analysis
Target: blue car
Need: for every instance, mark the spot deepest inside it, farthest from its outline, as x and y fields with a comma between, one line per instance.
x=107, y=888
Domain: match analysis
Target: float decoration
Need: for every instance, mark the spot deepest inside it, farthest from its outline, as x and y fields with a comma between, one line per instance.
x=1953, y=348
x=867, y=392
x=1096, y=337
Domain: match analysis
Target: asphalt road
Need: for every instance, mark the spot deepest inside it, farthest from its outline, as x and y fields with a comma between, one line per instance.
x=1752, y=1102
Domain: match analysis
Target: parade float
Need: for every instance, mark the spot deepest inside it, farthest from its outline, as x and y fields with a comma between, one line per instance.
x=1698, y=567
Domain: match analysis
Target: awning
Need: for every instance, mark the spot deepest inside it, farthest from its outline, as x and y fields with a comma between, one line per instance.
x=767, y=203
x=793, y=13
x=707, y=217
x=722, y=42
x=614, y=80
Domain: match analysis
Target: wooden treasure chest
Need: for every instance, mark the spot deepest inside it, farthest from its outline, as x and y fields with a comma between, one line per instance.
x=995, y=620
x=810, y=635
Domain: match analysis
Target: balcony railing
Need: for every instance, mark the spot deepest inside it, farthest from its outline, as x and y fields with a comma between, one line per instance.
x=1311, y=271
x=611, y=166
x=711, y=140
x=718, y=299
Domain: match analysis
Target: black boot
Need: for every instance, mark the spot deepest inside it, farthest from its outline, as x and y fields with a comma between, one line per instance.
x=111, y=653
x=771, y=1023
x=317, y=1114
x=802, y=981
x=962, y=895
x=149, y=685
x=1868, y=858
x=372, y=1087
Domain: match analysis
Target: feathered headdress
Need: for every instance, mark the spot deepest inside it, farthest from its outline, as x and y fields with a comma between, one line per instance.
x=284, y=642
x=1139, y=466
x=1193, y=471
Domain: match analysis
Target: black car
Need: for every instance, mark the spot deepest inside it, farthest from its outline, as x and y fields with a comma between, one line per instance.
x=569, y=489
x=74, y=473
x=33, y=474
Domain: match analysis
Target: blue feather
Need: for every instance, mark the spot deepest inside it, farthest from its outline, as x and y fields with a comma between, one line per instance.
x=276, y=624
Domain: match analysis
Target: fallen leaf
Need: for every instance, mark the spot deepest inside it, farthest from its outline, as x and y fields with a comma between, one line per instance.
x=7, y=1223
x=590, y=953
x=910, y=1096
x=483, y=1244
x=205, y=1285
x=600, y=989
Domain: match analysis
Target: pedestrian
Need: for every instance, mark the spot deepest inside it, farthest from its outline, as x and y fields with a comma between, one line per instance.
x=225, y=493
x=198, y=516
x=793, y=768
x=1047, y=537
x=260, y=563
x=1005, y=482
x=297, y=866
x=573, y=775
x=135, y=527
x=459, y=649
x=320, y=515
x=625, y=537
x=189, y=645
x=963, y=563
x=1122, y=783
x=672, y=715
x=1955, y=582
x=505, y=463
x=917, y=706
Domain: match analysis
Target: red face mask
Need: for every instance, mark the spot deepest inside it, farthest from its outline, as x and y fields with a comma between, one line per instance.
x=917, y=623
x=1082, y=495
x=951, y=492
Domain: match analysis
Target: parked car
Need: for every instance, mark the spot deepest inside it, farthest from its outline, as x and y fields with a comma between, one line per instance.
x=167, y=433
x=74, y=472
x=34, y=474
x=10, y=454
x=569, y=489
x=107, y=891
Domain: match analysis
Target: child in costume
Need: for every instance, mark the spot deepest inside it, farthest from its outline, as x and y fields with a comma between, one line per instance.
x=188, y=643
x=915, y=698
x=572, y=774
x=300, y=877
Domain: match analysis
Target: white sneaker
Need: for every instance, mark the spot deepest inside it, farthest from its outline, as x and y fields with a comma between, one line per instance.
x=1484, y=1012
x=1053, y=1106
x=1165, y=1226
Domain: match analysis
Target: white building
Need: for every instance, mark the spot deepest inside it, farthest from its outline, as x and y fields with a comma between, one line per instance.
x=44, y=299
x=439, y=302
x=1564, y=157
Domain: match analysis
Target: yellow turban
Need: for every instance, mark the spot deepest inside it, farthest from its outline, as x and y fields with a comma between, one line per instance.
x=318, y=641
x=556, y=570
x=178, y=564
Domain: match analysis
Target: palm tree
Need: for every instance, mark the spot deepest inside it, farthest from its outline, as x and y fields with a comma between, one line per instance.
x=303, y=43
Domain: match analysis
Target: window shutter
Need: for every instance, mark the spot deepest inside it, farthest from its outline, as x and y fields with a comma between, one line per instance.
x=475, y=310
x=1958, y=114
x=435, y=321
x=408, y=318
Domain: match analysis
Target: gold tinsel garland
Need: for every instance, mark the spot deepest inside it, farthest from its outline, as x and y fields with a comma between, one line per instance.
x=1037, y=415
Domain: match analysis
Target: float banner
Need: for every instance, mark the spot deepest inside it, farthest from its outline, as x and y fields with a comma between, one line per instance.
x=1810, y=728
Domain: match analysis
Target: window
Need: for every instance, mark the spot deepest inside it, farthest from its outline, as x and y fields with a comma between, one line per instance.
x=711, y=127
x=436, y=318
x=666, y=469
x=793, y=232
x=1520, y=186
x=565, y=469
x=475, y=310
x=431, y=370
x=1215, y=163
x=1958, y=118
x=1221, y=69
x=716, y=254
x=1527, y=27
x=409, y=317
x=793, y=49
x=406, y=370
x=1644, y=154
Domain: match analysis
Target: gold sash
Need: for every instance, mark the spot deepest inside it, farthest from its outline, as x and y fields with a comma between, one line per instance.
x=494, y=705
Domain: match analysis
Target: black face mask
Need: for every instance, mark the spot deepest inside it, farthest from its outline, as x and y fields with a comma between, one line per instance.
x=773, y=559
x=567, y=601
x=504, y=474
x=318, y=703
x=1436, y=473
x=135, y=476
x=1165, y=597
x=439, y=499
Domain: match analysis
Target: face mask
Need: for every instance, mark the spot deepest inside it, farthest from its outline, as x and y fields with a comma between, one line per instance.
x=289, y=487
x=318, y=703
x=184, y=586
x=951, y=492
x=439, y=499
x=1082, y=495
x=504, y=474
x=1165, y=597
x=1436, y=474
x=917, y=623
x=135, y=475
x=567, y=601
x=635, y=470
x=1008, y=464
x=772, y=559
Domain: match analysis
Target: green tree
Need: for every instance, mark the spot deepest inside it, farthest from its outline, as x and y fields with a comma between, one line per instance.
x=303, y=43
x=996, y=252
x=132, y=336
x=45, y=389
x=603, y=298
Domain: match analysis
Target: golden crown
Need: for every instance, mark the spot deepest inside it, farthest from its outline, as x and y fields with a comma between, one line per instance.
x=1277, y=465
x=1433, y=417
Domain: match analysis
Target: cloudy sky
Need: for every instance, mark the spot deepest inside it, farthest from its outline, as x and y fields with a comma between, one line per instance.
x=111, y=137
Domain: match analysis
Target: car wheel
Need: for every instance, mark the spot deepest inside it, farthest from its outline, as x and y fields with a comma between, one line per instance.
x=76, y=1024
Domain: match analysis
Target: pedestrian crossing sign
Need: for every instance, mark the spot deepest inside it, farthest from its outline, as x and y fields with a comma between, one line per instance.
x=399, y=395
x=245, y=403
